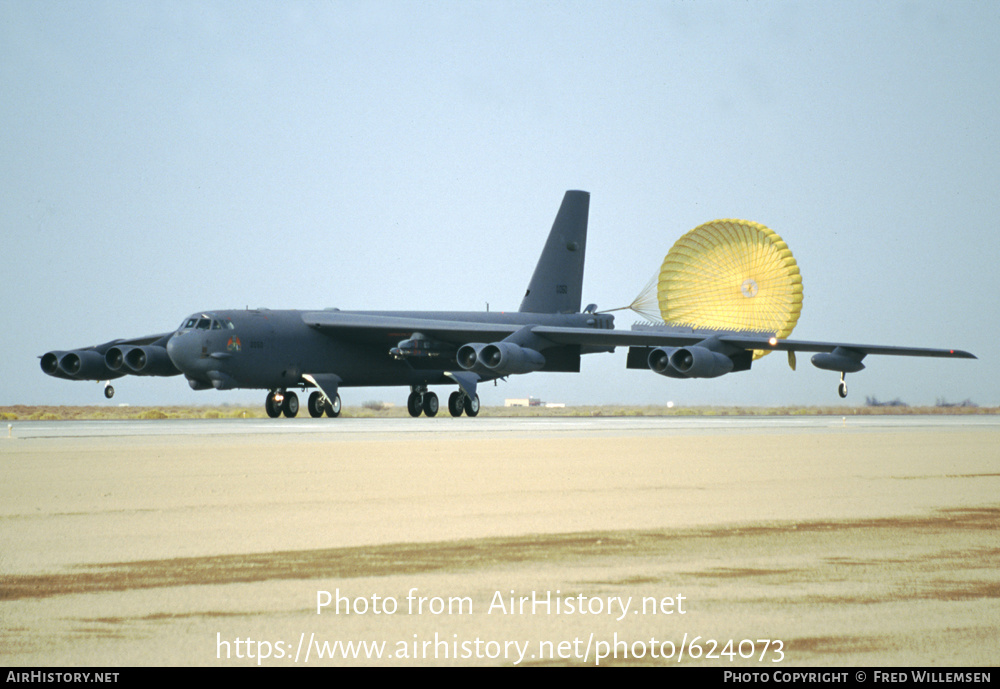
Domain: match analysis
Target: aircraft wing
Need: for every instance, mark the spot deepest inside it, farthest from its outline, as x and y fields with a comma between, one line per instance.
x=373, y=327
x=132, y=342
x=811, y=346
x=666, y=338
x=376, y=328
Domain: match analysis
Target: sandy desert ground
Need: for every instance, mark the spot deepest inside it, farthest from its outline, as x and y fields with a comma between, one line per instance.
x=767, y=543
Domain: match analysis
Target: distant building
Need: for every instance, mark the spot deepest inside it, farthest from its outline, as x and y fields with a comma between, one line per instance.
x=523, y=402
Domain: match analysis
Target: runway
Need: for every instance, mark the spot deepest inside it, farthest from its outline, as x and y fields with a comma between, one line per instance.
x=451, y=426
x=838, y=540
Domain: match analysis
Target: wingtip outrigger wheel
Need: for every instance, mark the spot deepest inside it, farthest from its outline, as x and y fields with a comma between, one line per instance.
x=109, y=390
x=842, y=387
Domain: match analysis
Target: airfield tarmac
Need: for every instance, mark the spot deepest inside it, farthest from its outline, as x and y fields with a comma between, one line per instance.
x=802, y=540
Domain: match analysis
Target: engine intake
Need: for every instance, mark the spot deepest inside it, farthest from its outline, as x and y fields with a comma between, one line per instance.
x=499, y=358
x=689, y=362
x=507, y=358
x=149, y=361
x=114, y=358
x=50, y=364
x=80, y=364
x=468, y=357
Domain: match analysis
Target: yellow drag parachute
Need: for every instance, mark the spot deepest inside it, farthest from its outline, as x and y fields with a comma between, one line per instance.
x=727, y=275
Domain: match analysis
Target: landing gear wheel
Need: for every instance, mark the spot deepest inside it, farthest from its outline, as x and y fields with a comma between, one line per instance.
x=333, y=407
x=109, y=391
x=414, y=404
x=316, y=404
x=472, y=406
x=842, y=389
x=456, y=403
x=290, y=406
x=430, y=404
x=271, y=406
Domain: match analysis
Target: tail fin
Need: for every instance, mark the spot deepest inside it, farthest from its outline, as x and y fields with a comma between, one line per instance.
x=557, y=283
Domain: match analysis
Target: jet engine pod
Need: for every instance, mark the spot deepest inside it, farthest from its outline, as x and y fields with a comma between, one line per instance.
x=50, y=364
x=150, y=361
x=659, y=361
x=468, y=356
x=840, y=359
x=507, y=358
x=83, y=364
x=689, y=362
x=114, y=358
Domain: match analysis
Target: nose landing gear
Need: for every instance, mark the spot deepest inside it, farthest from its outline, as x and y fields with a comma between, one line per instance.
x=280, y=402
x=272, y=405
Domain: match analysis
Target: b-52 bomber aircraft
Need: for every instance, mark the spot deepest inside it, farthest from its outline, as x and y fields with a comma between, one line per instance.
x=323, y=351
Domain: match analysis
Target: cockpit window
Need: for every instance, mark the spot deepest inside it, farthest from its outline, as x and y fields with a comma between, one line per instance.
x=206, y=322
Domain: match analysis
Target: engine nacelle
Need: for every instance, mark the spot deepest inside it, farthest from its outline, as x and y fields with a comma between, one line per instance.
x=689, y=362
x=507, y=358
x=840, y=359
x=468, y=357
x=150, y=361
x=114, y=358
x=50, y=364
x=80, y=364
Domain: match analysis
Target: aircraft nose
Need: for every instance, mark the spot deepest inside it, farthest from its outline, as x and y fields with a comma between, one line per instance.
x=182, y=348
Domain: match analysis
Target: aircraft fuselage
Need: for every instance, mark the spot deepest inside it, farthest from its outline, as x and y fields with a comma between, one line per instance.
x=266, y=349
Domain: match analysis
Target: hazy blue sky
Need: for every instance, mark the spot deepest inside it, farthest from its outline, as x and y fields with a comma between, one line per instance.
x=168, y=157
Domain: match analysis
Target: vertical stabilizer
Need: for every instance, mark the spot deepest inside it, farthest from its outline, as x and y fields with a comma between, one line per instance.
x=557, y=283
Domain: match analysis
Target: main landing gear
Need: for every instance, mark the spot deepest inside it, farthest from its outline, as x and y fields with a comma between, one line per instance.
x=320, y=404
x=421, y=401
x=459, y=402
x=280, y=402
